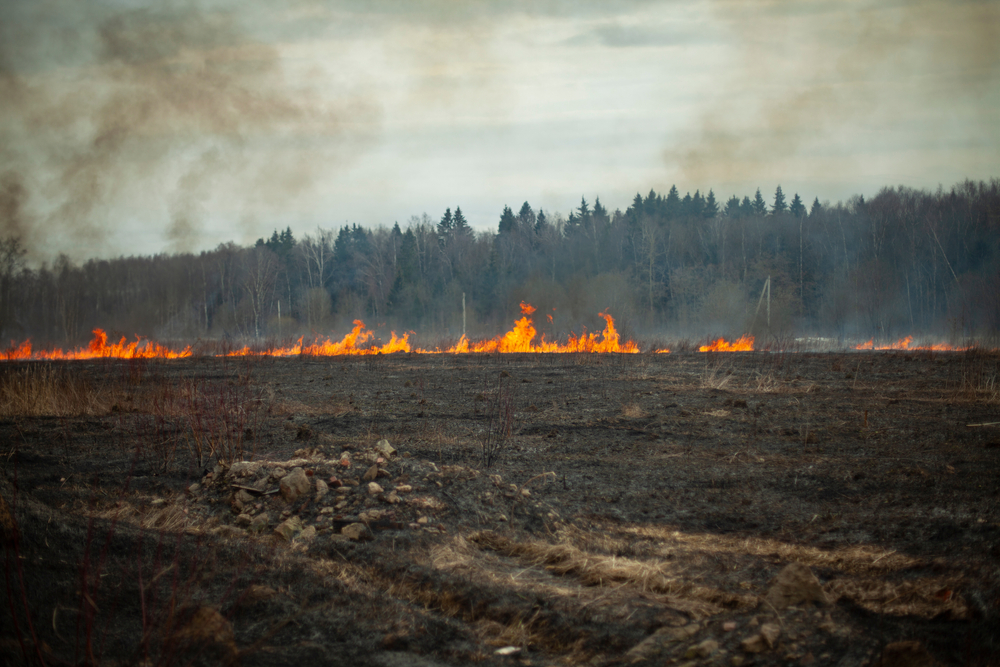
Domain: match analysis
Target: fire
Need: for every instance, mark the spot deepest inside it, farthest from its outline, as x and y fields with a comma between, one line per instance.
x=521, y=338
x=906, y=344
x=99, y=349
x=742, y=344
x=349, y=345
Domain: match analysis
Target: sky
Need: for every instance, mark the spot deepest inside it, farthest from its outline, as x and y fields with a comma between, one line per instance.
x=127, y=129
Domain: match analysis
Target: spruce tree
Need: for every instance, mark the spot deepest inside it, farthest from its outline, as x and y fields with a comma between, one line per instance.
x=507, y=221
x=446, y=224
x=797, y=208
x=779, y=202
x=759, y=206
x=459, y=224
x=711, y=208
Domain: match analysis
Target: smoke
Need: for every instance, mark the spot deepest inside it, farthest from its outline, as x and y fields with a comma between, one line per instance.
x=863, y=74
x=152, y=114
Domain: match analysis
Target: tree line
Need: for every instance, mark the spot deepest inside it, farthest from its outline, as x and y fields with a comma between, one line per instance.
x=906, y=261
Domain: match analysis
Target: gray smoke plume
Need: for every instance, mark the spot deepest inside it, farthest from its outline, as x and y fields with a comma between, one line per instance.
x=152, y=113
x=865, y=73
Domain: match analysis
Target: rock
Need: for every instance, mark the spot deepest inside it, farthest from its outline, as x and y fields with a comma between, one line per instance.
x=652, y=646
x=356, y=531
x=737, y=661
x=906, y=654
x=392, y=498
x=794, y=584
x=259, y=593
x=404, y=488
x=702, y=650
x=294, y=485
x=384, y=448
x=194, y=489
x=729, y=626
x=259, y=523
x=770, y=632
x=208, y=630
x=370, y=474
x=369, y=516
x=321, y=489
x=244, y=520
x=754, y=644
x=278, y=473
x=374, y=489
x=308, y=533
x=289, y=529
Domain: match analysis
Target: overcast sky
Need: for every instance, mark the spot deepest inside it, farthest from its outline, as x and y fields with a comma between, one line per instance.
x=128, y=130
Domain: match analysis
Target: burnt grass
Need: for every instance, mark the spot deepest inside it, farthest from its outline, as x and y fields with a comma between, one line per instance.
x=638, y=506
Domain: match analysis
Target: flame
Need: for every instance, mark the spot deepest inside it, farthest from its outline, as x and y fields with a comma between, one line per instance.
x=742, y=344
x=349, y=345
x=905, y=344
x=99, y=349
x=521, y=338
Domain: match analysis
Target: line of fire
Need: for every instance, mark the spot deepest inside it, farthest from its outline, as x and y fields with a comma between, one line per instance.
x=522, y=338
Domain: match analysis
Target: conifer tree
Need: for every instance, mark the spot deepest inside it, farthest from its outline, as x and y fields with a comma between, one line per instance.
x=759, y=207
x=711, y=207
x=797, y=208
x=779, y=205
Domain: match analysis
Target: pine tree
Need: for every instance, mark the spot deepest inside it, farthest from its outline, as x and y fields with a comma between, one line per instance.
x=759, y=207
x=526, y=217
x=779, y=202
x=732, y=209
x=541, y=222
x=459, y=224
x=446, y=224
x=797, y=208
x=507, y=221
x=816, y=209
x=711, y=208
x=672, y=206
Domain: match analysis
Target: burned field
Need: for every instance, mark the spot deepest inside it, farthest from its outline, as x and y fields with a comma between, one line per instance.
x=731, y=509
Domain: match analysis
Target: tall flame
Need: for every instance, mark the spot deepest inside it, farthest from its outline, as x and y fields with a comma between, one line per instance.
x=742, y=344
x=522, y=339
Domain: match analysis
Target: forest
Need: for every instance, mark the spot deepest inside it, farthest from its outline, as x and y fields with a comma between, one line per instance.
x=904, y=262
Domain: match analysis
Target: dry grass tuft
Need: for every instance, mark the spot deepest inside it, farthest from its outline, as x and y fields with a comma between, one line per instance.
x=48, y=390
x=633, y=411
x=598, y=570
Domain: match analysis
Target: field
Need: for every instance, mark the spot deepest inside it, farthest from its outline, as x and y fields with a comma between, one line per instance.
x=537, y=509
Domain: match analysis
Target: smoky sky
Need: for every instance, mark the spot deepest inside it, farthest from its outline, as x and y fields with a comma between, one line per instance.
x=128, y=130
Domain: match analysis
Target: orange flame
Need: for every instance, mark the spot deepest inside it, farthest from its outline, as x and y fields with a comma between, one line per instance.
x=905, y=344
x=521, y=339
x=99, y=349
x=349, y=345
x=742, y=344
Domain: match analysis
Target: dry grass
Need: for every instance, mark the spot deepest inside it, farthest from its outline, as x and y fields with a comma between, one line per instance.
x=49, y=390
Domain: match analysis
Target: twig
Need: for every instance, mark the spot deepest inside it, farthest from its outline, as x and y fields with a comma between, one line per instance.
x=986, y=424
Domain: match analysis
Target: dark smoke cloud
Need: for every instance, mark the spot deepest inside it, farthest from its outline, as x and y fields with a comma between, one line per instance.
x=866, y=72
x=153, y=110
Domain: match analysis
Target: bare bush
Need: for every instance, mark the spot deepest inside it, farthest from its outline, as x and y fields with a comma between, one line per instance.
x=499, y=409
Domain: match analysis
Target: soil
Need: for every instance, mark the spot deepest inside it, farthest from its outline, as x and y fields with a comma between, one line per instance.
x=638, y=508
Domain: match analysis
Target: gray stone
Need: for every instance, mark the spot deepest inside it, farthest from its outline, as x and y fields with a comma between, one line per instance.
x=259, y=523
x=795, y=584
x=374, y=489
x=384, y=448
x=702, y=650
x=289, y=529
x=321, y=489
x=294, y=485
x=356, y=531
